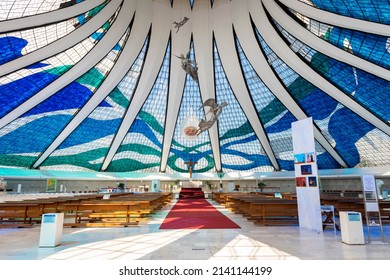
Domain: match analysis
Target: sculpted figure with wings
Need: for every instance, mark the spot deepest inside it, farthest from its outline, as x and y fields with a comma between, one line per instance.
x=189, y=66
x=180, y=23
x=215, y=110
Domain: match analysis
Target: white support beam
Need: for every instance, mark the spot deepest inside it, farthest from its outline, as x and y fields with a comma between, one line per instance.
x=337, y=20
x=248, y=42
x=97, y=53
x=63, y=43
x=161, y=23
x=320, y=45
x=49, y=17
x=128, y=56
x=228, y=55
x=204, y=49
x=180, y=45
x=290, y=58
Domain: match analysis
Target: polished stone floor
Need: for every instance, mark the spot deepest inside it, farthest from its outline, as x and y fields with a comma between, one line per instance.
x=148, y=242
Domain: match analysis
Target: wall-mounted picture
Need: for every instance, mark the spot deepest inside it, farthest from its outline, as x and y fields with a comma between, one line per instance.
x=51, y=185
x=309, y=157
x=306, y=169
x=299, y=158
x=312, y=181
x=300, y=181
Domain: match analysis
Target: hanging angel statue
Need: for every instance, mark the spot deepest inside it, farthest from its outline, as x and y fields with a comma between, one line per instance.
x=189, y=66
x=215, y=111
x=180, y=23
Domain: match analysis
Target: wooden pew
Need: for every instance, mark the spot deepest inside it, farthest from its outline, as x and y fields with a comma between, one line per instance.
x=102, y=214
x=266, y=210
x=384, y=207
x=274, y=212
x=19, y=214
x=261, y=208
x=121, y=209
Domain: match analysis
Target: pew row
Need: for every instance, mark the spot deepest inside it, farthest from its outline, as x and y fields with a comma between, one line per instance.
x=93, y=211
x=126, y=211
x=264, y=209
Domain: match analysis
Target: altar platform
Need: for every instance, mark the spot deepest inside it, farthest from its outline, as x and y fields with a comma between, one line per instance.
x=191, y=193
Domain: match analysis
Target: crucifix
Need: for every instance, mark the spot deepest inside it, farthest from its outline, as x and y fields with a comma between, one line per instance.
x=191, y=164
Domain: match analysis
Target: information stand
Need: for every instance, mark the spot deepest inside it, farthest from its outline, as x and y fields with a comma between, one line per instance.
x=371, y=205
x=51, y=229
x=351, y=228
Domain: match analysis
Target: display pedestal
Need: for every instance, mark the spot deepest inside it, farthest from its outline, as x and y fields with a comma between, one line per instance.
x=351, y=228
x=51, y=229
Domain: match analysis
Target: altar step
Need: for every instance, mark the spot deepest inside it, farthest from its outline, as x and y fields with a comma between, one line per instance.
x=191, y=193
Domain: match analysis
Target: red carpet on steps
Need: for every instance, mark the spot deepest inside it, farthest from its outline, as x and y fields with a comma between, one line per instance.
x=196, y=214
x=191, y=193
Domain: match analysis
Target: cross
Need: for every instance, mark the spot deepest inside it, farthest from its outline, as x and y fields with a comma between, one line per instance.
x=191, y=164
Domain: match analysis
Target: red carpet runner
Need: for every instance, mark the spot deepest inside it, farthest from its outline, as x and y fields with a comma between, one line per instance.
x=196, y=214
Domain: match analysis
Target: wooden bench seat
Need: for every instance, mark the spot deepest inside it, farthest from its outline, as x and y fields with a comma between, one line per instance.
x=83, y=213
x=266, y=210
x=18, y=213
x=261, y=208
x=277, y=212
x=16, y=225
x=122, y=209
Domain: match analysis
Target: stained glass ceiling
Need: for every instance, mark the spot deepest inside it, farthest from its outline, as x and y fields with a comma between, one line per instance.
x=98, y=85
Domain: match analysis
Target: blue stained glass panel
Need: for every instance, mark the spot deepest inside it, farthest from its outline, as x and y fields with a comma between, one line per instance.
x=333, y=119
x=373, y=48
x=33, y=136
x=11, y=48
x=106, y=118
x=16, y=92
x=368, y=90
x=73, y=96
x=371, y=10
x=37, y=128
x=87, y=145
x=272, y=113
x=18, y=43
x=324, y=159
x=240, y=147
x=141, y=148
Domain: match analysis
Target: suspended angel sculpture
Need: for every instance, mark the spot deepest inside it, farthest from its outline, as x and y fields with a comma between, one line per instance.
x=189, y=66
x=180, y=23
x=215, y=111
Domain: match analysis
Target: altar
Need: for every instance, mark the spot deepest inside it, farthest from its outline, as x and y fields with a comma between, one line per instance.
x=192, y=184
x=194, y=189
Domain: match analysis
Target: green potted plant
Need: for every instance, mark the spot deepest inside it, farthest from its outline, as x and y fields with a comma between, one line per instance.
x=121, y=187
x=261, y=186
